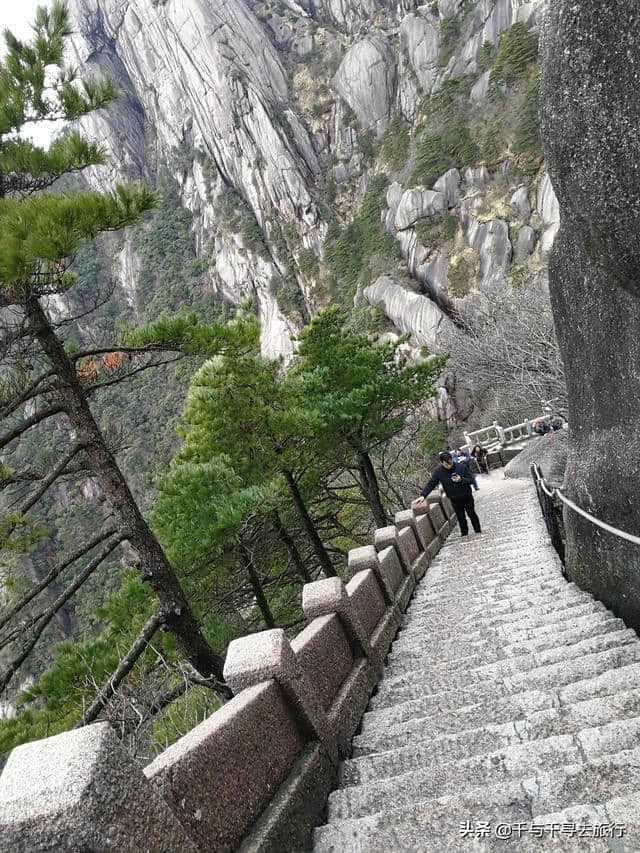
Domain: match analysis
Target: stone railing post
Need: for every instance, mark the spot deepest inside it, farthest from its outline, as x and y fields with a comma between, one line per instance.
x=268, y=655
x=328, y=596
x=80, y=790
x=366, y=557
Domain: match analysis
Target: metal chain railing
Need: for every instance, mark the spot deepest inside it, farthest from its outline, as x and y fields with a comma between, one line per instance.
x=552, y=513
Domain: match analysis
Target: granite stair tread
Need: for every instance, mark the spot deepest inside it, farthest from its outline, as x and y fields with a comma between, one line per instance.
x=509, y=697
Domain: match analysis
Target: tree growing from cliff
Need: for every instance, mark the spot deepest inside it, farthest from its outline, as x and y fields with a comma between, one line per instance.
x=364, y=392
x=240, y=407
x=48, y=381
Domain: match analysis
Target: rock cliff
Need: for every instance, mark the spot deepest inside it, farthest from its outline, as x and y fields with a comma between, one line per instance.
x=589, y=92
x=293, y=108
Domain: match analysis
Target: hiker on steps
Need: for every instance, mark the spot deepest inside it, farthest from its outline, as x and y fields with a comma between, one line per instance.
x=455, y=478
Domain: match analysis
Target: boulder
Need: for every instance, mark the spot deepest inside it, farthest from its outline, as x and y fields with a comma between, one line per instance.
x=477, y=176
x=409, y=311
x=590, y=110
x=519, y=201
x=366, y=80
x=548, y=451
x=480, y=88
x=416, y=204
x=449, y=185
x=549, y=211
x=525, y=244
x=420, y=39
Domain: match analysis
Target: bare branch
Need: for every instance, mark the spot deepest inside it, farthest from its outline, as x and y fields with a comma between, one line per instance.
x=124, y=668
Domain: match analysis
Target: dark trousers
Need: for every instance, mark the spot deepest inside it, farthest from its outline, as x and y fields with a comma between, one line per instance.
x=462, y=506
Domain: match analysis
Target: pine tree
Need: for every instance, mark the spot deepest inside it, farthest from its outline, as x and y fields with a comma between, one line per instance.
x=42, y=225
x=363, y=391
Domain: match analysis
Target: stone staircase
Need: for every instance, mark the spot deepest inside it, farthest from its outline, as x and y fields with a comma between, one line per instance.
x=511, y=698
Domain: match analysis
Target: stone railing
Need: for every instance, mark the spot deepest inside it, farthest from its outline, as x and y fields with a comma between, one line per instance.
x=496, y=435
x=256, y=774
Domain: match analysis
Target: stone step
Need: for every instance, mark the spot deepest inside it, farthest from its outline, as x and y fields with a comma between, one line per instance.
x=497, y=594
x=517, y=620
x=446, y=749
x=548, y=677
x=428, y=827
x=501, y=667
x=534, y=599
x=531, y=724
x=595, y=741
x=438, y=822
x=493, y=648
x=428, y=596
x=440, y=710
x=512, y=634
x=502, y=766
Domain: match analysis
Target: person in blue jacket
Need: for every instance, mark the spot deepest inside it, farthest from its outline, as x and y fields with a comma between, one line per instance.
x=455, y=478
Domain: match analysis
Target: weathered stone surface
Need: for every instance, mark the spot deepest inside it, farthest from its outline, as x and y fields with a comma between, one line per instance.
x=525, y=244
x=480, y=88
x=589, y=91
x=329, y=596
x=366, y=597
x=323, y=652
x=421, y=39
x=391, y=568
x=477, y=176
x=549, y=211
x=409, y=311
x=449, y=185
x=80, y=791
x=415, y=204
x=219, y=777
x=268, y=655
x=519, y=201
x=366, y=80
x=549, y=451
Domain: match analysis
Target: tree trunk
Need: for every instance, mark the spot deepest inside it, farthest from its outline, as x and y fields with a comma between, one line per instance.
x=371, y=489
x=154, y=565
x=256, y=585
x=309, y=527
x=290, y=545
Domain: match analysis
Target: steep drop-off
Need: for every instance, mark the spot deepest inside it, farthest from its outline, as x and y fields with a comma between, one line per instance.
x=273, y=118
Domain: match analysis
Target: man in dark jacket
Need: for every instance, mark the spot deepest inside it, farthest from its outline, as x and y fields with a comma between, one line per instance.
x=455, y=478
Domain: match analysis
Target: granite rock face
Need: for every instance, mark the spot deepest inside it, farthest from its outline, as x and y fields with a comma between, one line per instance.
x=590, y=113
x=411, y=312
x=366, y=80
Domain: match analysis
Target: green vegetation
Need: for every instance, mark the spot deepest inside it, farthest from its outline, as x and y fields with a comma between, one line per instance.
x=427, y=231
x=347, y=248
x=491, y=144
x=438, y=152
x=448, y=142
x=460, y=277
x=517, y=51
x=450, y=29
x=486, y=57
x=528, y=142
x=308, y=263
x=367, y=143
x=450, y=226
x=394, y=143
